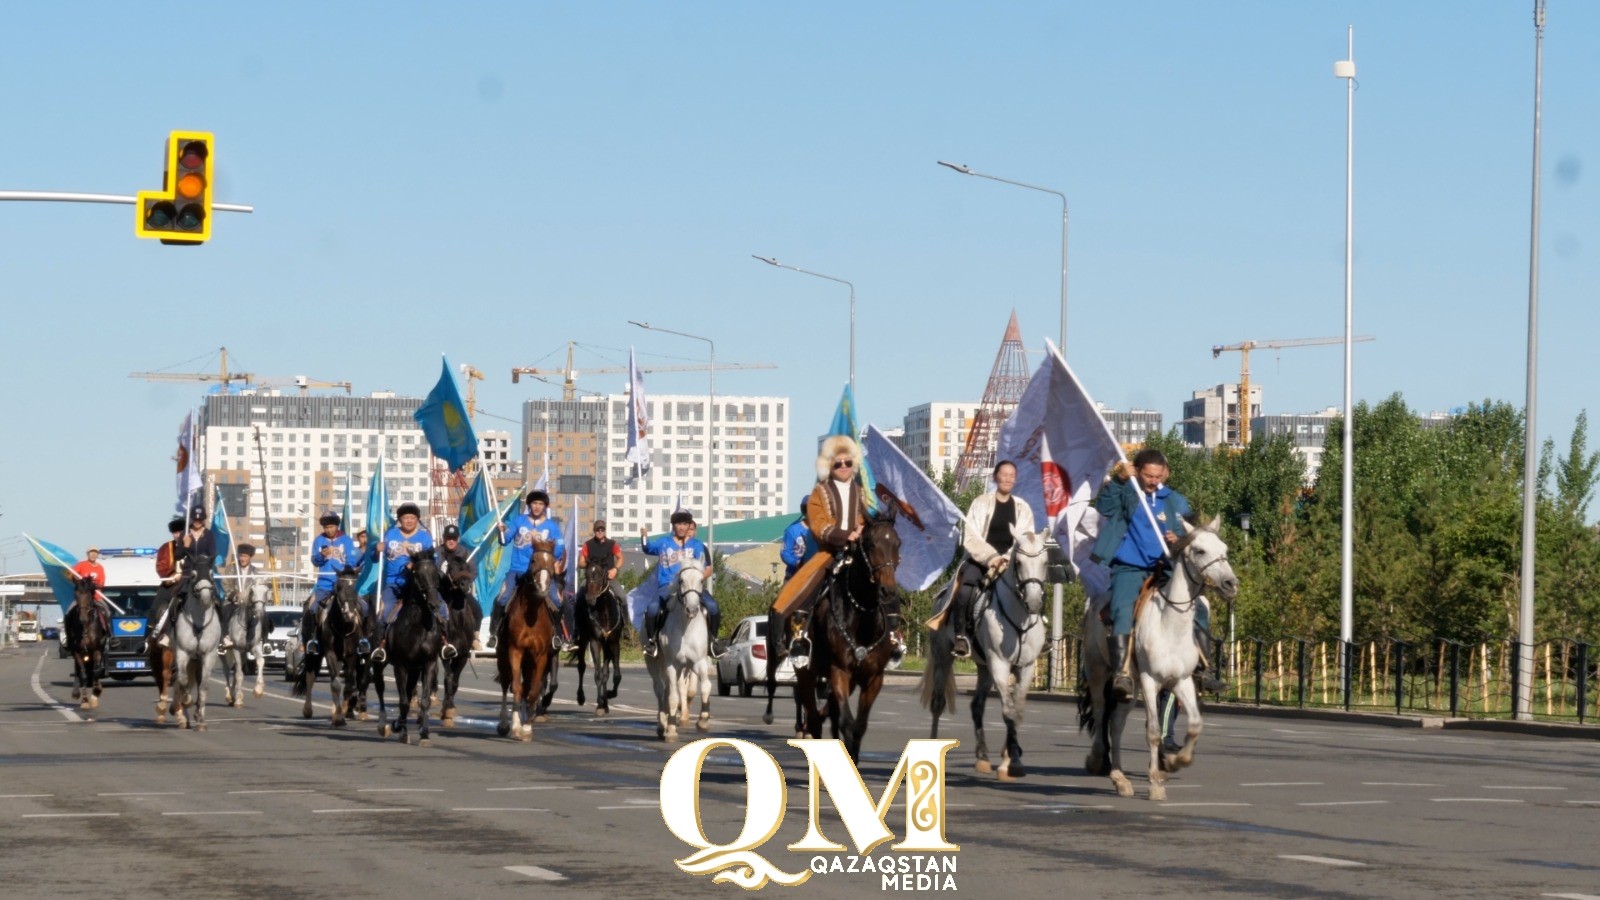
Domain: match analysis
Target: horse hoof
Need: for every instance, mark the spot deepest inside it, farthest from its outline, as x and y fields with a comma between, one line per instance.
x=339, y=723
x=77, y=694
x=541, y=719
x=1169, y=763
x=983, y=766
x=601, y=711
x=364, y=716
x=1013, y=772
x=447, y=722
x=525, y=735
x=766, y=718
x=702, y=726
x=503, y=729
x=1158, y=792
x=200, y=727
x=260, y=691
x=425, y=742
x=383, y=730
x=1123, y=785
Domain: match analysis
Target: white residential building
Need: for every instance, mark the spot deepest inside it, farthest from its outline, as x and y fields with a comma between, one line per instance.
x=935, y=433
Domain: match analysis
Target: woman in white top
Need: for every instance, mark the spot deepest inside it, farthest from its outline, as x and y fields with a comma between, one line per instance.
x=987, y=540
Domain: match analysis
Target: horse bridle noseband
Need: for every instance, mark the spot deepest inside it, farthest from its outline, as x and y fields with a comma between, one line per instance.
x=1198, y=577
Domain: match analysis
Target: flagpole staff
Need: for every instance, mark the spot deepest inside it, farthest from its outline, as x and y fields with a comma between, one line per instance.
x=711, y=406
x=499, y=517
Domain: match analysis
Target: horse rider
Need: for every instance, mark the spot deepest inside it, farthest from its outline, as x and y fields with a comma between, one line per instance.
x=197, y=545
x=406, y=537
x=361, y=540
x=168, y=570
x=451, y=556
x=598, y=548
x=1135, y=497
x=244, y=561
x=524, y=529
x=332, y=552
x=986, y=538
x=798, y=544
x=90, y=568
x=675, y=551
x=836, y=512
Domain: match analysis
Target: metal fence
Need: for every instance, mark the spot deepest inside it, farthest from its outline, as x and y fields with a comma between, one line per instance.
x=1436, y=677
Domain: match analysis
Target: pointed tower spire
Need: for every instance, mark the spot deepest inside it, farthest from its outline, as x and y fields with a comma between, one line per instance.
x=1007, y=380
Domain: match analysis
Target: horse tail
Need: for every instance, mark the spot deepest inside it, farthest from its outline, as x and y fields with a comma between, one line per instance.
x=1085, y=700
x=938, y=680
x=299, y=689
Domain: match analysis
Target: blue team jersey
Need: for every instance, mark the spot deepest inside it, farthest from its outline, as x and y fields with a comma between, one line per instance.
x=329, y=556
x=674, y=557
x=1142, y=546
x=397, y=550
x=522, y=532
x=799, y=545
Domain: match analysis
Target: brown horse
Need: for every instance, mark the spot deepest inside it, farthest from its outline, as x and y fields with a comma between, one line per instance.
x=525, y=655
x=86, y=636
x=465, y=616
x=600, y=617
x=161, y=661
x=854, y=633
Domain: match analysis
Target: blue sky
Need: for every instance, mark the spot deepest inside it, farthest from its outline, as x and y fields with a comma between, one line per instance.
x=492, y=180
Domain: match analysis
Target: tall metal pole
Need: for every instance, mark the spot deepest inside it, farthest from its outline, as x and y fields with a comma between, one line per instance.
x=772, y=261
x=711, y=405
x=1346, y=69
x=1530, y=459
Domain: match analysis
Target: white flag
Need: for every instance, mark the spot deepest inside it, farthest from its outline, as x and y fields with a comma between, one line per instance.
x=638, y=422
x=1061, y=446
x=543, y=484
x=928, y=524
x=188, y=460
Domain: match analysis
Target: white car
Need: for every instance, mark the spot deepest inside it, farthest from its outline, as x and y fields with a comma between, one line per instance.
x=283, y=629
x=745, y=663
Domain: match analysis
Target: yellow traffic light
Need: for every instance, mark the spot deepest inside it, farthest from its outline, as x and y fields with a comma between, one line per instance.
x=180, y=213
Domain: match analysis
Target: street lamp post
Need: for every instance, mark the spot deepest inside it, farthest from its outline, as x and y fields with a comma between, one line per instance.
x=711, y=406
x=1530, y=459
x=771, y=261
x=1346, y=69
x=1244, y=523
x=1057, y=605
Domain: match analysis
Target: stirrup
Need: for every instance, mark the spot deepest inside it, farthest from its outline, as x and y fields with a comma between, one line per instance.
x=961, y=648
x=448, y=652
x=651, y=647
x=718, y=648
x=800, y=648
x=378, y=655
x=363, y=647
x=313, y=646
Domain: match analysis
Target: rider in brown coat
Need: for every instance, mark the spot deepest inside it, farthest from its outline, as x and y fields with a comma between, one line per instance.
x=837, y=514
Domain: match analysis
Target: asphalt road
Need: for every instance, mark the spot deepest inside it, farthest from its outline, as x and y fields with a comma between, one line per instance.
x=265, y=804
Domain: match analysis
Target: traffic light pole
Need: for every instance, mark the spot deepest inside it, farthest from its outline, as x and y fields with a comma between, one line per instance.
x=126, y=199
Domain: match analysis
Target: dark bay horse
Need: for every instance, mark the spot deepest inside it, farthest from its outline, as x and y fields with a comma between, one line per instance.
x=338, y=629
x=461, y=630
x=525, y=657
x=854, y=633
x=779, y=630
x=86, y=637
x=600, y=617
x=413, y=650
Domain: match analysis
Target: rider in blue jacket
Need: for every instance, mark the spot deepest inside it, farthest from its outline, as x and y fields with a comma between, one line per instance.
x=524, y=528
x=799, y=544
x=331, y=552
x=398, y=544
x=675, y=551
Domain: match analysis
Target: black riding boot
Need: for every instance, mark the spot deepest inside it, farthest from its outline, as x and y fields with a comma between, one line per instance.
x=1117, y=646
x=1203, y=676
x=718, y=645
x=447, y=650
x=497, y=621
x=652, y=630
x=308, y=631
x=961, y=609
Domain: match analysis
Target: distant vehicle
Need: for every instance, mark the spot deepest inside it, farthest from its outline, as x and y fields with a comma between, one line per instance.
x=283, y=630
x=50, y=633
x=61, y=645
x=131, y=586
x=27, y=632
x=745, y=664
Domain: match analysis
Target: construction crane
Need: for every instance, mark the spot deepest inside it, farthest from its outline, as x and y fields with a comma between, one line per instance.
x=303, y=383
x=1244, y=348
x=569, y=374
x=472, y=374
x=223, y=375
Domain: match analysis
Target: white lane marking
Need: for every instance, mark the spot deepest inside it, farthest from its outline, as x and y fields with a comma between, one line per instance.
x=1345, y=803
x=71, y=815
x=1476, y=800
x=537, y=787
x=30, y=796
x=1574, y=896
x=1292, y=731
x=400, y=791
x=635, y=808
x=277, y=791
x=1520, y=787
x=1280, y=784
x=539, y=872
x=363, y=809
x=217, y=812
x=1399, y=784
x=144, y=794
x=37, y=730
x=1058, y=806
x=1205, y=804
x=1577, y=802
x=1323, y=860
x=497, y=809
x=38, y=691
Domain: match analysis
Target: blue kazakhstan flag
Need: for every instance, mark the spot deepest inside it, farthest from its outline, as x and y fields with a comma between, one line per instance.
x=844, y=422
x=444, y=421
x=222, y=534
x=377, y=525
x=493, y=557
x=475, y=502
x=57, y=564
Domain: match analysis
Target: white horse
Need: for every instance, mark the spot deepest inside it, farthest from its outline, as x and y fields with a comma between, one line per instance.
x=681, y=668
x=1010, y=636
x=247, y=628
x=1165, y=654
x=197, y=633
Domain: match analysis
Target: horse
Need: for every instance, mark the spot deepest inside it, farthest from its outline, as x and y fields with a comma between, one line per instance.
x=160, y=660
x=780, y=629
x=247, y=627
x=681, y=668
x=600, y=618
x=86, y=637
x=197, y=631
x=460, y=631
x=1165, y=654
x=854, y=632
x=337, y=629
x=1009, y=636
x=413, y=650
x=525, y=656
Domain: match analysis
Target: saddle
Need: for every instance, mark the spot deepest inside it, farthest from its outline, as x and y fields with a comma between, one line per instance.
x=1155, y=582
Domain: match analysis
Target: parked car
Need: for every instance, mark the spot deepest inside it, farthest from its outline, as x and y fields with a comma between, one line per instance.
x=62, y=650
x=51, y=633
x=283, y=634
x=745, y=664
